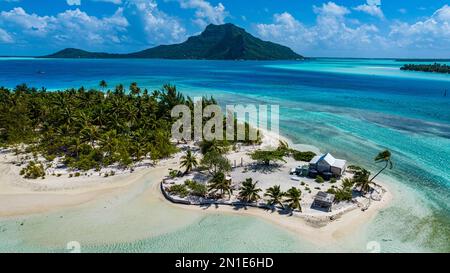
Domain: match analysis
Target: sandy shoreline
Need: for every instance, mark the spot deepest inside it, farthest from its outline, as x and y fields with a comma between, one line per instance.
x=339, y=228
x=20, y=197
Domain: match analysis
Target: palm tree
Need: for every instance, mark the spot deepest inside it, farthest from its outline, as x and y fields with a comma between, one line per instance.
x=276, y=195
x=76, y=146
x=384, y=156
x=219, y=183
x=249, y=191
x=134, y=89
x=119, y=89
x=189, y=161
x=293, y=198
x=361, y=180
x=103, y=84
x=109, y=142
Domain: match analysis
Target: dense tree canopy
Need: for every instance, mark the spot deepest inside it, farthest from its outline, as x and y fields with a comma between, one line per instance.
x=439, y=68
x=88, y=128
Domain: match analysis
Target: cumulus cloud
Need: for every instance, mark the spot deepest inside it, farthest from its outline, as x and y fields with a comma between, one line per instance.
x=432, y=32
x=156, y=26
x=331, y=30
x=135, y=25
x=331, y=9
x=73, y=2
x=71, y=27
x=372, y=7
x=205, y=12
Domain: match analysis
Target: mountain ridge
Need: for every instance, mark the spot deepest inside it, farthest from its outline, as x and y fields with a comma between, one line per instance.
x=216, y=42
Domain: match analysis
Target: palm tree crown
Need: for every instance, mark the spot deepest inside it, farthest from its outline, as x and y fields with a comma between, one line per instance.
x=293, y=198
x=189, y=161
x=219, y=183
x=384, y=156
x=249, y=192
x=275, y=196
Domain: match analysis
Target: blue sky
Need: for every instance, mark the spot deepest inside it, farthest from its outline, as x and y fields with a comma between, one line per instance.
x=350, y=28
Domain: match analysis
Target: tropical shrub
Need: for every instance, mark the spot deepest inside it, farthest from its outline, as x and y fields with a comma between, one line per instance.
x=196, y=188
x=303, y=156
x=33, y=170
x=179, y=189
x=319, y=179
x=266, y=157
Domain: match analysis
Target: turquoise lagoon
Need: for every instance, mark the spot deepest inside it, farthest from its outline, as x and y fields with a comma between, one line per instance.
x=350, y=107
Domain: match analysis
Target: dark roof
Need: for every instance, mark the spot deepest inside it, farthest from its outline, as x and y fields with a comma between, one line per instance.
x=324, y=197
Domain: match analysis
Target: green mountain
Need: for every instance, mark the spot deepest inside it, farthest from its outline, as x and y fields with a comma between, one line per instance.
x=216, y=42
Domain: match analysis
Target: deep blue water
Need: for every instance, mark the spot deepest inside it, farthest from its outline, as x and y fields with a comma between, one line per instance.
x=352, y=108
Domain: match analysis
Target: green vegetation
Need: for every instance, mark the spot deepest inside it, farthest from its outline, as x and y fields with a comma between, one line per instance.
x=283, y=147
x=249, y=192
x=275, y=196
x=219, y=184
x=34, y=170
x=174, y=173
x=196, y=188
x=179, y=189
x=215, y=162
x=293, y=196
x=303, y=156
x=87, y=128
x=188, y=161
x=345, y=193
x=437, y=68
x=266, y=157
x=384, y=156
x=214, y=146
x=216, y=42
x=319, y=179
x=90, y=129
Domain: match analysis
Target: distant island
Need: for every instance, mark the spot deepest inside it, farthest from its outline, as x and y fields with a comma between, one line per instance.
x=437, y=68
x=422, y=60
x=216, y=42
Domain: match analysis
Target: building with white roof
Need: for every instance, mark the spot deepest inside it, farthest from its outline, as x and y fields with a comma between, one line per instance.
x=327, y=165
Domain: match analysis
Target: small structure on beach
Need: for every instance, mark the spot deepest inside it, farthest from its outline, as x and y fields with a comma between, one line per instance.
x=324, y=200
x=327, y=166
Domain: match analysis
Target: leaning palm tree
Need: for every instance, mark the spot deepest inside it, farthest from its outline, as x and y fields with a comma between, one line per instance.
x=293, y=198
x=385, y=157
x=275, y=196
x=219, y=184
x=189, y=161
x=249, y=192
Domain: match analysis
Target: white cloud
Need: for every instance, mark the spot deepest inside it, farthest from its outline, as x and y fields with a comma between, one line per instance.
x=331, y=32
x=136, y=25
x=69, y=28
x=157, y=26
x=117, y=2
x=331, y=9
x=432, y=32
x=5, y=37
x=372, y=7
x=285, y=28
x=73, y=2
x=205, y=12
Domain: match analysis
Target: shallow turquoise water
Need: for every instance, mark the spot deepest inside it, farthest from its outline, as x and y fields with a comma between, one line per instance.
x=352, y=108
